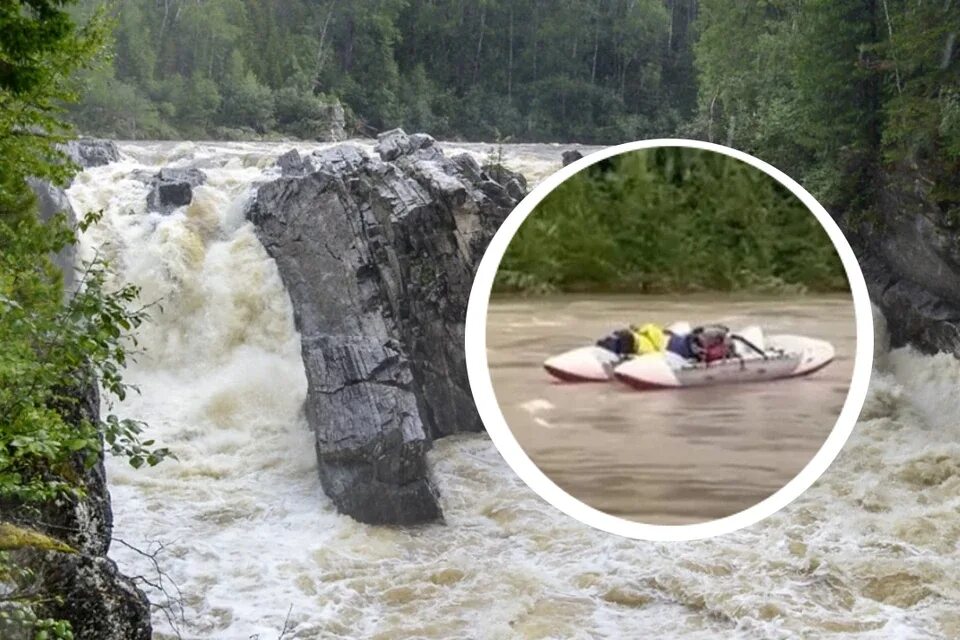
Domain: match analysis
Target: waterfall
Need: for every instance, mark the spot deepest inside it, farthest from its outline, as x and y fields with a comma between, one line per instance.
x=248, y=535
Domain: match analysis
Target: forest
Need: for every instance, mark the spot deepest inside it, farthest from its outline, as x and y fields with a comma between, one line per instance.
x=858, y=100
x=666, y=220
x=855, y=100
x=597, y=71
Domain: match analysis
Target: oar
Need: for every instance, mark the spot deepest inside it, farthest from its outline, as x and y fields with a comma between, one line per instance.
x=750, y=344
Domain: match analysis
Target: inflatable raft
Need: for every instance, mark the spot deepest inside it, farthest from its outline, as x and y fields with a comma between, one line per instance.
x=776, y=357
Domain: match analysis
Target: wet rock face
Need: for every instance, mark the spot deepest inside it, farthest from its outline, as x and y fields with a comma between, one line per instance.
x=378, y=256
x=911, y=263
x=99, y=602
x=85, y=587
x=571, y=156
x=52, y=200
x=172, y=188
x=89, y=152
x=291, y=164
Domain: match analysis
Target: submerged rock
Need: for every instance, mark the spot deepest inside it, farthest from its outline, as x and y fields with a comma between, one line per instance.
x=173, y=188
x=378, y=256
x=571, y=156
x=91, y=152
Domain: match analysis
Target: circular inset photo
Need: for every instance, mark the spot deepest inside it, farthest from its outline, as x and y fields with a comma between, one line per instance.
x=669, y=339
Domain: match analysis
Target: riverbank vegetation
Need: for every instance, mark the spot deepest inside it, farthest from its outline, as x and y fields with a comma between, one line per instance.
x=55, y=345
x=670, y=220
x=846, y=97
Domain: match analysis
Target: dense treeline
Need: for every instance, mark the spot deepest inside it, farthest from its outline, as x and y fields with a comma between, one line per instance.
x=860, y=101
x=844, y=96
x=848, y=97
x=595, y=71
x=671, y=219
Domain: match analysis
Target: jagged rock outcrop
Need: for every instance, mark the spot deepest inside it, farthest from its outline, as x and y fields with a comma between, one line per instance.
x=172, y=188
x=82, y=586
x=91, y=152
x=52, y=200
x=334, y=129
x=378, y=256
x=291, y=164
x=495, y=179
x=910, y=258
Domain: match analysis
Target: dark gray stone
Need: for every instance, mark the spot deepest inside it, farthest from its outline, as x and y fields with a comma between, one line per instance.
x=99, y=602
x=378, y=258
x=52, y=200
x=85, y=588
x=571, y=156
x=90, y=152
x=173, y=188
x=511, y=182
x=910, y=258
x=333, y=129
x=291, y=164
x=395, y=143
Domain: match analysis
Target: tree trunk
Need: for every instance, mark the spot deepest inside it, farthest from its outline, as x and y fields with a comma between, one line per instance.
x=321, y=49
x=476, y=61
x=510, y=58
x=596, y=47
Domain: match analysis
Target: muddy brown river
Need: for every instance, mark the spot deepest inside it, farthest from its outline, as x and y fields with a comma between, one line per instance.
x=673, y=456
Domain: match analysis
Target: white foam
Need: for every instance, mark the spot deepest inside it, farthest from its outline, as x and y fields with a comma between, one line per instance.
x=866, y=553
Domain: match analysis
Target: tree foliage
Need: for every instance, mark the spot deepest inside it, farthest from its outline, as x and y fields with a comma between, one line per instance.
x=671, y=219
x=843, y=95
x=54, y=347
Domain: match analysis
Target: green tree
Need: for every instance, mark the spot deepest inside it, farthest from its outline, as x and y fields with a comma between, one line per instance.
x=246, y=102
x=530, y=69
x=671, y=219
x=50, y=351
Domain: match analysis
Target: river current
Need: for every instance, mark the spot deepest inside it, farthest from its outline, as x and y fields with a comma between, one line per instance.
x=252, y=543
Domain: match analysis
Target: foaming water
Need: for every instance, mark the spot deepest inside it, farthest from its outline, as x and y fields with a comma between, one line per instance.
x=868, y=552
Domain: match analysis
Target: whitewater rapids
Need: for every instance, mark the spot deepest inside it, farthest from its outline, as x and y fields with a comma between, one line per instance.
x=870, y=551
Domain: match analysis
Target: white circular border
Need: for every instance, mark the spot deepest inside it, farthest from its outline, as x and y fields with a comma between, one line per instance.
x=486, y=401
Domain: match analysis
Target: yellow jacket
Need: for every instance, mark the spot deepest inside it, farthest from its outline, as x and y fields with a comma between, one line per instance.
x=648, y=338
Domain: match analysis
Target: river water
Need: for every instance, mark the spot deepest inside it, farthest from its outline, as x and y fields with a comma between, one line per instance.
x=870, y=551
x=674, y=457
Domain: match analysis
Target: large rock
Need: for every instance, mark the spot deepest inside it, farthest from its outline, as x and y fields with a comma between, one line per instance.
x=173, y=188
x=52, y=200
x=395, y=143
x=570, y=156
x=291, y=164
x=908, y=250
x=89, y=592
x=83, y=586
x=91, y=152
x=334, y=129
x=378, y=256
